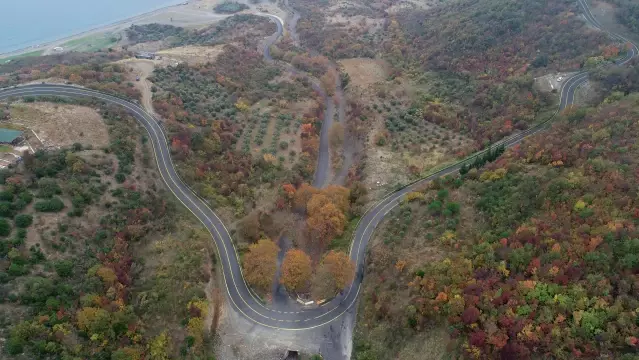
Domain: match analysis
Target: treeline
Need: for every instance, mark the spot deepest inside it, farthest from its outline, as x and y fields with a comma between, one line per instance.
x=244, y=27
x=489, y=156
x=46, y=62
x=315, y=267
x=230, y=7
x=495, y=38
x=152, y=32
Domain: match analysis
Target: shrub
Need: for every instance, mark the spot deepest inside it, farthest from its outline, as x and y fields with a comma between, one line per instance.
x=23, y=220
x=26, y=196
x=120, y=177
x=14, y=346
x=5, y=227
x=453, y=208
x=18, y=205
x=6, y=196
x=435, y=207
x=64, y=268
x=6, y=209
x=48, y=187
x=17, y=270
x=52, y=205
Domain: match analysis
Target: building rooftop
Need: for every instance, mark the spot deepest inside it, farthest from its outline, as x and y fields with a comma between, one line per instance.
x=8, y=135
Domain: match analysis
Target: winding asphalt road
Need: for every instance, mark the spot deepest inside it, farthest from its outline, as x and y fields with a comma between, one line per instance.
x=240, y=296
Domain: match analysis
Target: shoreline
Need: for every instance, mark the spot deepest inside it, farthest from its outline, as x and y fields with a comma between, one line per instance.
x=95, y=30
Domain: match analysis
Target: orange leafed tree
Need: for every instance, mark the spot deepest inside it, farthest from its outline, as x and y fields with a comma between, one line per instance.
x=296, y=270
x=302, y=196
x=307, y=130
x=335, y=272
x=260, y=264
x=75, y=78
x=339, y=196
x=316, y=203
x=325, y=220
x=310, y=145
x=289, y=190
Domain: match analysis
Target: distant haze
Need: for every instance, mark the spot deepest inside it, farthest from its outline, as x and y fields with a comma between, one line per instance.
x=30, y=22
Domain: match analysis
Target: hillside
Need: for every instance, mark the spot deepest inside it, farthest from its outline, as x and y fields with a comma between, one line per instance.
x=89, y=258
x=281, y=135
x=534, y=255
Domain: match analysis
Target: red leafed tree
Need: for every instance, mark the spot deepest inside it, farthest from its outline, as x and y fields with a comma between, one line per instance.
x=289, y=190
x=470, y=315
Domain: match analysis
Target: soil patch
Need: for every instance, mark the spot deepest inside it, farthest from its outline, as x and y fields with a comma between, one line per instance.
x=364, y=72
x=58, y=125
x=194, y=54
x=141, y=69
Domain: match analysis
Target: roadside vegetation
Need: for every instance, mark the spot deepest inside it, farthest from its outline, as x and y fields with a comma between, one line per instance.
x=311, y=269
x=107, y=77
x=88, y=265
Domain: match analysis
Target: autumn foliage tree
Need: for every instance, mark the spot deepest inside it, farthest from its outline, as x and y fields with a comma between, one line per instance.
x=302, y=196
x=260, y=264
x=326, y=210
x=339, y=196
x=325, y=219
x=296, y=270
x=329, y=81
x=335, y=272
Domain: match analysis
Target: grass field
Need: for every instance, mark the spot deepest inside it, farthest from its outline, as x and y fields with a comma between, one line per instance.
x=5, y=148
x=92, y=42
x=28, y=54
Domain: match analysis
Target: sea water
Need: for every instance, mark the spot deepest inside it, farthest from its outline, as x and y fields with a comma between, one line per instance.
x=26, y=23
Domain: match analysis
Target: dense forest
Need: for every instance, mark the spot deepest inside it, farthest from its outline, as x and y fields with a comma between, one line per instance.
x=483, y=55
x=628, y=14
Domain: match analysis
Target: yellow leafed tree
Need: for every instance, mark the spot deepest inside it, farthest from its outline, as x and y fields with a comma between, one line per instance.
x=260, y=264
x=296, y=270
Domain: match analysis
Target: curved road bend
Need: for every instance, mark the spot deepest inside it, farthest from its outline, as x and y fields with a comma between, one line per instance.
x=239, y=295
x=238, y=292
